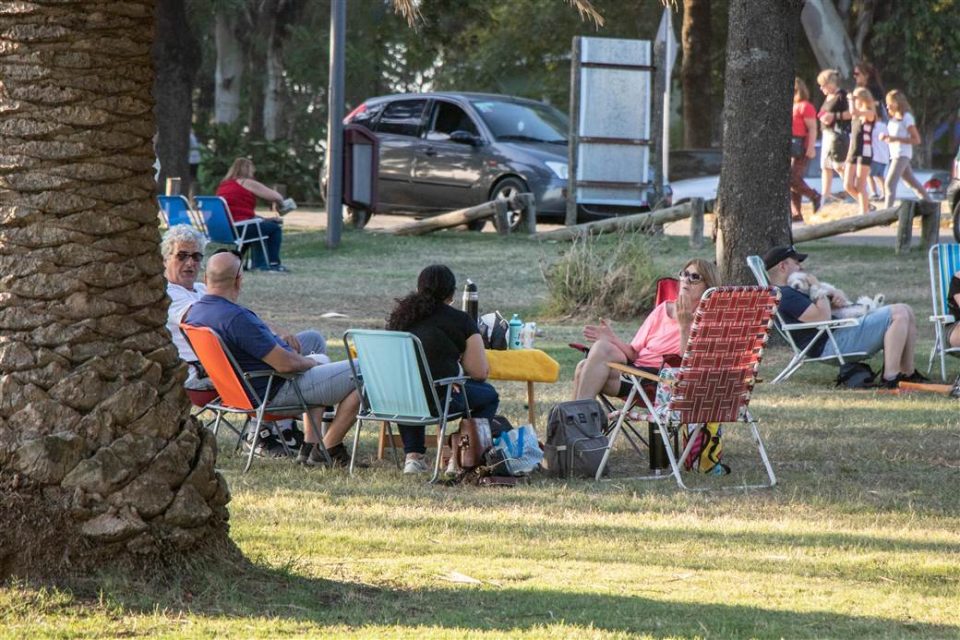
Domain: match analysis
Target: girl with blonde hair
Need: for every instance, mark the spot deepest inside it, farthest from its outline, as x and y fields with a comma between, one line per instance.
x=901, y=136
x=860, y=154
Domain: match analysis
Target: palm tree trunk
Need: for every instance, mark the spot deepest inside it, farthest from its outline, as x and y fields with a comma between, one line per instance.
x=98, y=458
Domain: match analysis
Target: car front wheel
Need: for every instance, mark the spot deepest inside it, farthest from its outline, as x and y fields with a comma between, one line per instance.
x=506, y=189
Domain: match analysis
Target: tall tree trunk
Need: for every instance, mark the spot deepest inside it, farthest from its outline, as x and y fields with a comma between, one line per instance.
x=828, y=37
x=98, y=457
x=754, y=211
x=696, y=39
x=176, y=57
x=230, y=66
x=274, y=90
x=865, y=16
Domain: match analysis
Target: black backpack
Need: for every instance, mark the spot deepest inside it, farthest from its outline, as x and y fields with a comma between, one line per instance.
x=575, y=442
x=855, y=375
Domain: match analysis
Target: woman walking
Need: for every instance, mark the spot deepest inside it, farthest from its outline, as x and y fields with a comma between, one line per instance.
x=901, y=136
x=803, y=148
x=835, y=122
x=861, y=147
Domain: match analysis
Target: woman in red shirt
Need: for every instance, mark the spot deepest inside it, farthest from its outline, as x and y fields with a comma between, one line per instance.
x=240, y=191
x=803, y=148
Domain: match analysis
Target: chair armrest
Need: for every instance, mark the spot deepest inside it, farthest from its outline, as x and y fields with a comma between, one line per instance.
x=442, y=382
x=244, y=223
x=944, y=319
x=836, y=323
x=266, y=373
x=633, y=371
x=579, y=347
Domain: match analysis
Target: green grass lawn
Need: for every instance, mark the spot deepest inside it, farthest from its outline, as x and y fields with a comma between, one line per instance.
x=860, y=538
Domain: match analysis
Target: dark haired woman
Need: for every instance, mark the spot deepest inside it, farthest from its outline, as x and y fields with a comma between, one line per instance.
x=451, y=341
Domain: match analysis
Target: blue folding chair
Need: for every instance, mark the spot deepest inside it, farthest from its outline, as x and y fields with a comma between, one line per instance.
x=222, y=228
x=944, y=261
x=177, y=210
x=392, y=378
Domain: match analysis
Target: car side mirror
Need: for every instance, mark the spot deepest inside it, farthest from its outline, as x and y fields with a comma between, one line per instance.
x=465, y=137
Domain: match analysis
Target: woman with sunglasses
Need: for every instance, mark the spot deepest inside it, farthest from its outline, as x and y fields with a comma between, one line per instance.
x=664, y=332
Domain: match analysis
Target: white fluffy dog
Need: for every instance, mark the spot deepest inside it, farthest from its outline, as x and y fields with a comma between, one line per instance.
x=841, y=304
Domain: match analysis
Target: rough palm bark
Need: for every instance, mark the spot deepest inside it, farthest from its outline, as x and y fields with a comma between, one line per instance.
x=696, y=36
x=754, y=212
x=98, y=458
x=176, y=58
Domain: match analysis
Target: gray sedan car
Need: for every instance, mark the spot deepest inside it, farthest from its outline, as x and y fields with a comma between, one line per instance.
x=445, y=151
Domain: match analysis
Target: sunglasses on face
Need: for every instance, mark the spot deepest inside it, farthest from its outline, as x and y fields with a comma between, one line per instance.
x=183, y=256
x=690, y=276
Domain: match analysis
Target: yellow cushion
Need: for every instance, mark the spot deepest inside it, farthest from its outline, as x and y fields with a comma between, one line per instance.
x=522, y=364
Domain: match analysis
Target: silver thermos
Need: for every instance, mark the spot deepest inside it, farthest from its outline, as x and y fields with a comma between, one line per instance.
x=471, y=300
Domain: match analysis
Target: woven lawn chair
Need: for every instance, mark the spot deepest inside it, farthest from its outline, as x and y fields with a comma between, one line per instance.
x=392, y=378
x=222, y=228
x=236, y=393
x=825, y=327
x=716, y=375
x=177, y=210
x=944, y=261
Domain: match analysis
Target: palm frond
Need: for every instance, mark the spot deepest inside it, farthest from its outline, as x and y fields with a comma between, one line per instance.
x=408, y=9
x=587, y=11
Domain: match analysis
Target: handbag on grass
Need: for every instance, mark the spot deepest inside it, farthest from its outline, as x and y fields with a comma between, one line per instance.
x=470, y=443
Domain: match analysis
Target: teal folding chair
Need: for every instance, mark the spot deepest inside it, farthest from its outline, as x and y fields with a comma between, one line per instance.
x=223, y=229
x=944, y=261
x=392, y=378
x=825, y=327
x=177, y=210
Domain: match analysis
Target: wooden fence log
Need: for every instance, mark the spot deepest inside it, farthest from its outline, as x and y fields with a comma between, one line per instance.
x=172, y=187
x=696, y=222
x=929, y=223
x=905, y=226
x=636, y=221
x=882, y=217
x=528, y=220
x=452, y=219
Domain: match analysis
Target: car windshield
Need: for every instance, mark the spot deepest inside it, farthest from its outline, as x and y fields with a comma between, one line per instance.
x=528, y=122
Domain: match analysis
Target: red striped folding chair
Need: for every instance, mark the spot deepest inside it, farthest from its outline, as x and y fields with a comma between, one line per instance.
x=716, y=375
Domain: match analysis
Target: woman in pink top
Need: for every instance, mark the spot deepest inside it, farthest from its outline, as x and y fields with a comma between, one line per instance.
x=664, y=332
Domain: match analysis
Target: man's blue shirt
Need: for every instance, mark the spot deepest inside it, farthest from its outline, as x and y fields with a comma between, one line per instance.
x=792, y=305
x=246, y=335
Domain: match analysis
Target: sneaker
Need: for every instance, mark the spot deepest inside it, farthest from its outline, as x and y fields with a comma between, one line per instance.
x=415, y=465
x=883, y=383
x=955, y=390
x=278, y=268
x=268, y=445
x=916, y=376
x=817, y=201
x=312, y=457
x=291, y=434
x=341, y=457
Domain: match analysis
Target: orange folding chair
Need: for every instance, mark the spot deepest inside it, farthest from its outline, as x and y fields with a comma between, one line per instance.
x=716, y=375
x=236, y=393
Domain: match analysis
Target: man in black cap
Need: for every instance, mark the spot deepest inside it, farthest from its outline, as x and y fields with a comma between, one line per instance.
x=891, y=328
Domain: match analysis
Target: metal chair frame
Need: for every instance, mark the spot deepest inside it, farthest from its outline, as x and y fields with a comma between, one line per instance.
x=825, y=327
x=211, y=206
x=177, y=210
x=944, y=261
x=715, y=378
x=368, y=414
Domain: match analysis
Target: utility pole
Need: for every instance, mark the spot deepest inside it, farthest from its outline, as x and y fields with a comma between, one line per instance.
x=338, y=12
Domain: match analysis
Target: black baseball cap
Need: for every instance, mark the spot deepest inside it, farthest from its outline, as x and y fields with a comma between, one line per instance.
x=775, y=256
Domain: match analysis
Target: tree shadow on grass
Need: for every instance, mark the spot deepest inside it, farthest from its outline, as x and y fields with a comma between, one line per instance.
x=238, y=589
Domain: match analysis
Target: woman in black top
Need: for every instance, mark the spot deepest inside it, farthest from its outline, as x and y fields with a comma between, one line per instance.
x=450, y=340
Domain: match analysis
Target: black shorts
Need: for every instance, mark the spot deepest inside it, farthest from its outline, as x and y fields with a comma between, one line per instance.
x=626, y=385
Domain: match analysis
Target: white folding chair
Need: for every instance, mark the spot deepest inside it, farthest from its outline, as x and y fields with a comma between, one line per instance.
x=825, y=327
x=392, y=378
x=944, y=261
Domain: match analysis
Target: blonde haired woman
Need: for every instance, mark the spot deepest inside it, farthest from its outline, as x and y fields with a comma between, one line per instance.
x=901, y=136
x=860, y=154
x=240, y=190
x=834, y=119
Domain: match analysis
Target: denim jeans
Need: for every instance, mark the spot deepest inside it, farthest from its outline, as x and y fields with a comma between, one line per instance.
x=273, y=237
x=484, y=401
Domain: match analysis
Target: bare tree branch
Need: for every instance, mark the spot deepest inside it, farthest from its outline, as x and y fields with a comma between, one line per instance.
x=411, y=12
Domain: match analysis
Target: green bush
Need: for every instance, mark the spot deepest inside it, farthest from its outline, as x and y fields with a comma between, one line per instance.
x=603, y=276
x=277, y=162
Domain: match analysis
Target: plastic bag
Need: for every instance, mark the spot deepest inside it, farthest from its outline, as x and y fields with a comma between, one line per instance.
x=515, y=452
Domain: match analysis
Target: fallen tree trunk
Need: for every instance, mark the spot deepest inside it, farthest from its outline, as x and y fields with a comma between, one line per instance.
x=493, y=208
x=636, y=221
x=882, y=217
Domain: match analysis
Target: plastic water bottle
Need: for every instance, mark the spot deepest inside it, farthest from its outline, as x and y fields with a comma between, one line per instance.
x=516, y=324
x=528, y=334
x=471, y=300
